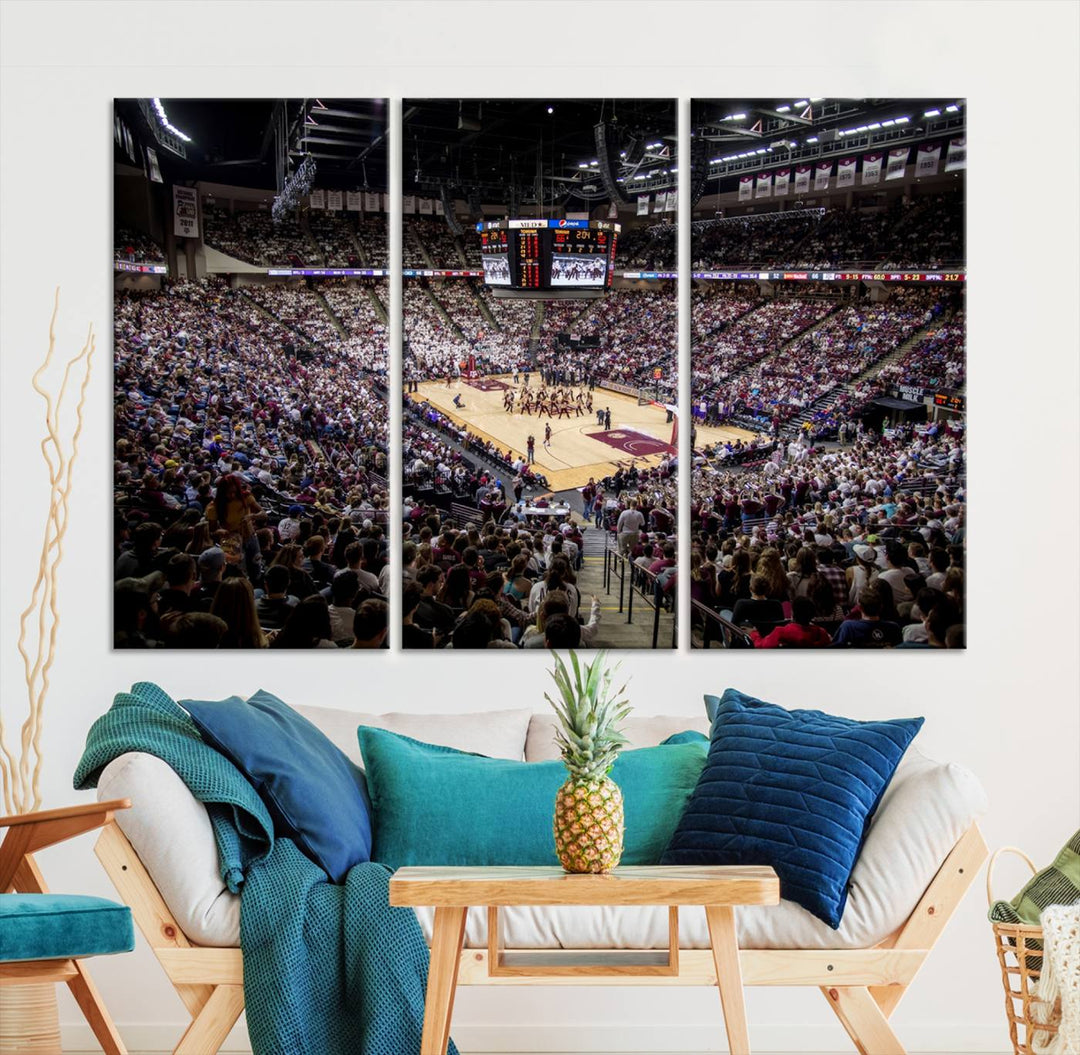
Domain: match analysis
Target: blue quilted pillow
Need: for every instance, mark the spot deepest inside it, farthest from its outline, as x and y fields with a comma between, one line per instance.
x=791, y=789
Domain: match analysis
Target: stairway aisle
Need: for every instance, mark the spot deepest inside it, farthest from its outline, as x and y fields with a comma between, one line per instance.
x=614, y=631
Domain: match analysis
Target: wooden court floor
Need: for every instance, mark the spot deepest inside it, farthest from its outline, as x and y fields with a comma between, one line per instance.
x=574, y=455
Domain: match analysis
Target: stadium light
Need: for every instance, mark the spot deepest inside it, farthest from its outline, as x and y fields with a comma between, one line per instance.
x=902, y=120
x=811, y=139
x=819, y=99
x=735, y=117
x=160, y=110
x=654, y=146
x=875, y=124
x=583, y=165
x=932, y=113
x=952, y=109
x=801, y=102
x=887, y=124
x=551, y=109
x=782, y=109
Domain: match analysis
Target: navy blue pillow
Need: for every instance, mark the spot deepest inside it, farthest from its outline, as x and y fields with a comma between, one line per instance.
x=315, y=795
x=791, y=789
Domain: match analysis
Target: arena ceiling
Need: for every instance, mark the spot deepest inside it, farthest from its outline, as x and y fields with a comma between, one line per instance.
x=534, y=149
x=733, y=135
x=240, y=141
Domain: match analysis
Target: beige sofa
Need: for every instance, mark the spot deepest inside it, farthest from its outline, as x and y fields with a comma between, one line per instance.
x=921, y=852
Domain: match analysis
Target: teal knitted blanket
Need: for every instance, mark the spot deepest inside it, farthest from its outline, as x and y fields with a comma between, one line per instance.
x=328, y=969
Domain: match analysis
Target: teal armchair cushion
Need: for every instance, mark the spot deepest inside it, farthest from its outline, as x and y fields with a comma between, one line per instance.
x=62, y=926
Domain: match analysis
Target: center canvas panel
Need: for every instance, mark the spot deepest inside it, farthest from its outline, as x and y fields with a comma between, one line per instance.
x=540, y=418
x=251, y=344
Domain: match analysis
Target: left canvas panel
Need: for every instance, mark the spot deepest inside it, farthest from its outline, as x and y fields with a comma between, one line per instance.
x=251, y=442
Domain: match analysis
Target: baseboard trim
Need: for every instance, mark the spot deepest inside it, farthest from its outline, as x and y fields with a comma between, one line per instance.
x=957, y=1038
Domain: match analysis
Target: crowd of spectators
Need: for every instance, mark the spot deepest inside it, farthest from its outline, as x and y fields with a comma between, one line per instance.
x=136, y=247
x=234, y=456
x=253, y=236
x=912, y=233
x=846, y=344
x=860, y=545
x=430, y=235
x=937, y=361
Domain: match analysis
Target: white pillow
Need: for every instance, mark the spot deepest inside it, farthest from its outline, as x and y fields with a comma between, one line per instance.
x=497, y=734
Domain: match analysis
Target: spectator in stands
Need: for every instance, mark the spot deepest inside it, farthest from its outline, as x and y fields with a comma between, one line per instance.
x=370, y=624
x=869, y=630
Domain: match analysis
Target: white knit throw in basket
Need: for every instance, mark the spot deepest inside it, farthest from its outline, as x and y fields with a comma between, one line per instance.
x=1060, y=979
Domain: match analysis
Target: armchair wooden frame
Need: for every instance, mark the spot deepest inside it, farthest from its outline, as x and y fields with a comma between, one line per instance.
x=26, y=834
x=862, y=986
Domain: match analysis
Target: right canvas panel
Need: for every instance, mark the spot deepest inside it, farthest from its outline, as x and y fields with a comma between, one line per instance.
x=828, y=368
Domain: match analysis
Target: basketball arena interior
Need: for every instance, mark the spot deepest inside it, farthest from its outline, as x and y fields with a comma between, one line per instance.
x=828, y=497
x=538, y=382
x=250, y=343
x=539, y=359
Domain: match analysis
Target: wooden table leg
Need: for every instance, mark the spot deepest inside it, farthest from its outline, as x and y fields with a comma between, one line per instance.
x=446, y=941
x=725, y=950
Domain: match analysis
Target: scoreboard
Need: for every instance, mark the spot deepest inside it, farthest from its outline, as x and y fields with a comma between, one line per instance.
x=559, y=258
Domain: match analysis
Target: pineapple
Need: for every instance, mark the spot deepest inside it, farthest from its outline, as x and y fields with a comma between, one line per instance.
x=588, y=808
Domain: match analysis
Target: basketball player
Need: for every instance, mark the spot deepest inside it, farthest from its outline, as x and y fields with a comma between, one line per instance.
x=547, y=435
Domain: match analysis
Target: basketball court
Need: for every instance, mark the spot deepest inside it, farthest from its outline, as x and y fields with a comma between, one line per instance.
x=580, y=448
x=708, y=435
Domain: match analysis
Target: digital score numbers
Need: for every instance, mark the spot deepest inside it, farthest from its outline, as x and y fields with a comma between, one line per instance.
x=579, y=241
x=538, y=254
x=529, y=259
x=493, y=241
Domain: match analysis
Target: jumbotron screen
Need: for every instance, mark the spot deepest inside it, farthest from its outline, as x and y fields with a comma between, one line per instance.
x=559, y=255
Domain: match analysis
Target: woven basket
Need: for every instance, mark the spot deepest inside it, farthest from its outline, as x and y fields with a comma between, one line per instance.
x=1020, y=955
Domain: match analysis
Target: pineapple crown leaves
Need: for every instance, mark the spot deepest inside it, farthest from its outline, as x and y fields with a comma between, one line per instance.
x=589, y=714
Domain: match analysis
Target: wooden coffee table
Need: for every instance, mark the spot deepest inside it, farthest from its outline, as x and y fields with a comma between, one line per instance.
x=452, y=891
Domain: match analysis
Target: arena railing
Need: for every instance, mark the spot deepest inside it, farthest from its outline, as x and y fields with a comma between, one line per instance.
x=716, y=628
x=633, y=579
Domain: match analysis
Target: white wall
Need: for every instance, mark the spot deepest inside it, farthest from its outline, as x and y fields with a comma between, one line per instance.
x=1007, y=708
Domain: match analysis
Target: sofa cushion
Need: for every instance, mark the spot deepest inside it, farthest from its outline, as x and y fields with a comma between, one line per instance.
x=315, y=795
x=433, y=805
x=55, y=926
x=791, y=789
x=925, y=810
x=639, y=730
x=497, y=734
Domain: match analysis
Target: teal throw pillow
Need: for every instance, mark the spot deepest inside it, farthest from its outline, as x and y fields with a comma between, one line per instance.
x=437, y=806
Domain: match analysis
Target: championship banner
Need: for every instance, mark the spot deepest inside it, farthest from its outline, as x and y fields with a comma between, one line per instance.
x=186, y=212
x=658, y=203
x=317, y=199
x=386, y=203
x=354, y=201
x=956, y=158
x=155, y=169
x=333, y=200
x=927, y=159
x=746, y=188
x=802, y=179
x=426, y=208
x=612, y=211
x=897, y=163
x=643, y=205
x=671, y=203
x=764, y=185
x=871, y=168
x=439, y=210
x=372, y=201
x=780, y=186
x=821, y=176
x=845, y=172
x=408, y=204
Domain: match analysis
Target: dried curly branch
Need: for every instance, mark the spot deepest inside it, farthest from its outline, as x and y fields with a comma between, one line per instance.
x=39, y=623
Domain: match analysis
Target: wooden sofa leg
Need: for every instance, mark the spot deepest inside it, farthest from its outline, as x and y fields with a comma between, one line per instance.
x=94, y=1011
x=211, y=1025
x=863, y=1019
